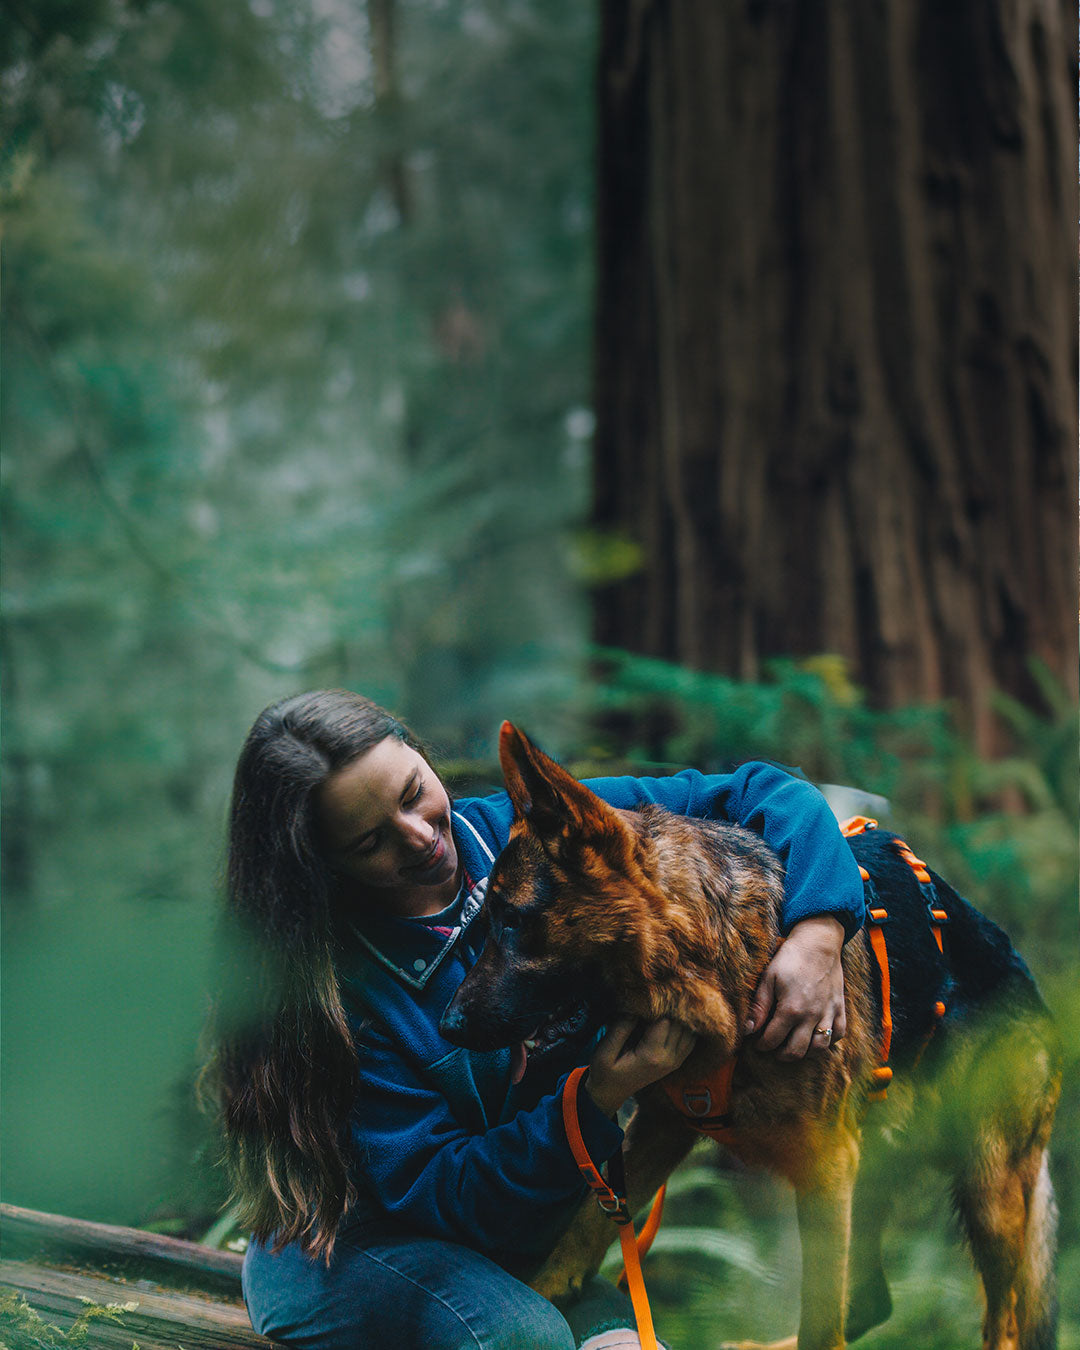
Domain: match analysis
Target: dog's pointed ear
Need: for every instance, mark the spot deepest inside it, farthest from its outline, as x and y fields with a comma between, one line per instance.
x=536, y=784
x=544, y=794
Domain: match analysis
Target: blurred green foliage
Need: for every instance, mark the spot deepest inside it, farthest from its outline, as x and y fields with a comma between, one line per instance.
x=295, y=394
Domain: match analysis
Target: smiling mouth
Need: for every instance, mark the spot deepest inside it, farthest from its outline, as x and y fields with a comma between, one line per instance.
x=432, y=859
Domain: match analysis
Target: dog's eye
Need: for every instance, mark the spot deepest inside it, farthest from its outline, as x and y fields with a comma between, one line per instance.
x=510, y=918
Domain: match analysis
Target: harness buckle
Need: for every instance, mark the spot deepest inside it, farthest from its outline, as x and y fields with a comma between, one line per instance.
x=857, y=825
x=877, y=916
x=697, y=1102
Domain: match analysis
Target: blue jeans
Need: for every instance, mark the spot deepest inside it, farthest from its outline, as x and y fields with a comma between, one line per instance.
x=386, y=1291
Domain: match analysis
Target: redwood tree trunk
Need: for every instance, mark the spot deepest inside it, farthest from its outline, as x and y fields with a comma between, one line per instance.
x=836, y=361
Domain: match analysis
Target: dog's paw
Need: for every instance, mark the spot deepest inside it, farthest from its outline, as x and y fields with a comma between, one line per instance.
x=557, y=1286
x=870, y=1305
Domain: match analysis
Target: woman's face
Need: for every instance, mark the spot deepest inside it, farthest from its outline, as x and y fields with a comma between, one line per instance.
x=385, y=821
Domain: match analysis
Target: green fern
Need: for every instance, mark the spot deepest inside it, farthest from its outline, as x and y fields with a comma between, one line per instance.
x=23, y=1328
x=1004, y=832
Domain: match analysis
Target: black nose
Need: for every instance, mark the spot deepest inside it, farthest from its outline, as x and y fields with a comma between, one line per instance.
x=452, y=1026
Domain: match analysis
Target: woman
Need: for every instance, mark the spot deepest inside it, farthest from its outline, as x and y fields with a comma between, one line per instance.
x=397, y=1186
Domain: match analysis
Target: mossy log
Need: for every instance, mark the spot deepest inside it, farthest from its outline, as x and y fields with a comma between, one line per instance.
x=185, y=1294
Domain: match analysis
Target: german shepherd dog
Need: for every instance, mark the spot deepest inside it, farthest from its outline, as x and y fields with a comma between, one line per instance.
x=652, y=915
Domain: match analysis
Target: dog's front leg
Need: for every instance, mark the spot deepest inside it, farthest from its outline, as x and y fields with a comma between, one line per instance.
x=577, y=1254
x=823, y=1204
x=822, y=1163
x=656, y=1142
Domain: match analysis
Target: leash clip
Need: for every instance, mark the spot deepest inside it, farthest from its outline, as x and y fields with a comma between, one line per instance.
x=615, y=1207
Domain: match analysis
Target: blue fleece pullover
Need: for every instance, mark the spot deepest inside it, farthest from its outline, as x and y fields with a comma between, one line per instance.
x=443, y=1141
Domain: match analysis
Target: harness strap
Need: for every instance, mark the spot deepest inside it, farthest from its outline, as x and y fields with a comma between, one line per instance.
x=614, y=1204
x=876, y=916
x=937, y=915
x=875, y=919
x=926, y=885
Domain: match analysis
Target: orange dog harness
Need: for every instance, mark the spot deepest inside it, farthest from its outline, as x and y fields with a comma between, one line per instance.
x=876, y=917
x=704, y=1104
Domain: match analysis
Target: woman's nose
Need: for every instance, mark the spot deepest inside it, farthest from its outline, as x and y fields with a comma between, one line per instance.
x=417, y=834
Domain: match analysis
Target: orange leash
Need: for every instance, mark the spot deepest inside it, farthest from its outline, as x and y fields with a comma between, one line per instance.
x=649, y=1230
x=651, y=1226
x=615, y=1207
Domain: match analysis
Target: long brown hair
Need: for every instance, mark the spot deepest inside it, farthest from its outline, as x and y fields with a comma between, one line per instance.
x=282, y=1067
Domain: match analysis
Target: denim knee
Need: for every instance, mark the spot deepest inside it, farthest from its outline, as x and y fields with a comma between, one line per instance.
x=409, y=1293
x=533, y=1324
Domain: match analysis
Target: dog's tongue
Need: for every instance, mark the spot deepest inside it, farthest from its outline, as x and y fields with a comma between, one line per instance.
x=519, y=1058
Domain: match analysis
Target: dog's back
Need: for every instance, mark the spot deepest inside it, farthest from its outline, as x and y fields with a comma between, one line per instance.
x=976, y=972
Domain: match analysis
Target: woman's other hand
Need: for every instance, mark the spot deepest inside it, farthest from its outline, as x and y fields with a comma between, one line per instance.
x=631, y=1056
x=799, y=1002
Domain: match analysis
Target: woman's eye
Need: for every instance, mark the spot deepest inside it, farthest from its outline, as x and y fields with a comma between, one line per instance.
x=416, y=795
x=365, y=846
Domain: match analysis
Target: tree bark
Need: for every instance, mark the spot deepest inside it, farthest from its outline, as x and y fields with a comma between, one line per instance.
x=382, y=24
x=836, y=354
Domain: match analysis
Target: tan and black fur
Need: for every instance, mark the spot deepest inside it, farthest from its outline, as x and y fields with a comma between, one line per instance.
x=655, y=915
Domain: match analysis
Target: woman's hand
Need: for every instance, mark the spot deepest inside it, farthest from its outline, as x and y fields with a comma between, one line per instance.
x=800, y=997
x=623, y=1063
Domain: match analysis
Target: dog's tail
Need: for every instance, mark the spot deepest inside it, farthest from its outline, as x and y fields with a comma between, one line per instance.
x=1036, y=1290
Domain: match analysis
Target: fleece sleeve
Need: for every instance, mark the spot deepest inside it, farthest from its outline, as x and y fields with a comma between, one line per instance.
x=821, y=875
x=507, y=1192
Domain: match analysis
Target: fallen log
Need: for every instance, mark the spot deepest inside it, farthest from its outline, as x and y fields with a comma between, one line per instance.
x=30, y=1235
x=184, y=1294
x=155, y=1319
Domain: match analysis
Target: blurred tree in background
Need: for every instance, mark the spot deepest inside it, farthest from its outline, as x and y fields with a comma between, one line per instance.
x=297, y=333
x=836, y=353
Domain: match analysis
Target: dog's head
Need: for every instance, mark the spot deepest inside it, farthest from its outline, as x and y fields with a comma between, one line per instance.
x=552, y=910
